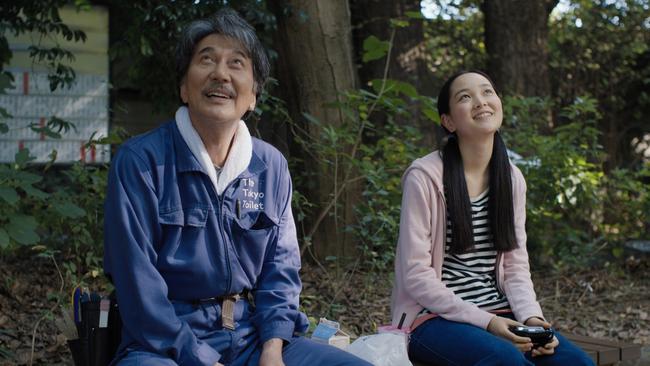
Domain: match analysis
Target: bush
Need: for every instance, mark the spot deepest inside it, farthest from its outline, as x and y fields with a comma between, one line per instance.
x=56, y=210
x=575, y=210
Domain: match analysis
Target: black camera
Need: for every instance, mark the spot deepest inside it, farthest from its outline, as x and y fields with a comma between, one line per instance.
x=538, y=335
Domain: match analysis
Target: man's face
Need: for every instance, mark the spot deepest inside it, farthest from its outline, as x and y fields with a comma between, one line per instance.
x=219, y=84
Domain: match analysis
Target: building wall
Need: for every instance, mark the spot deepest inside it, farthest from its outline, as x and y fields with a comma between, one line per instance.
x=85, y=103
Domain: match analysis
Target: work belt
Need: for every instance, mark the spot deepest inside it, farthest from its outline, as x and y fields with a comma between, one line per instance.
x=227, y=306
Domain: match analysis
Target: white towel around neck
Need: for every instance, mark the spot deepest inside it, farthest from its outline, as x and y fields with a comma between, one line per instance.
x=237, y=160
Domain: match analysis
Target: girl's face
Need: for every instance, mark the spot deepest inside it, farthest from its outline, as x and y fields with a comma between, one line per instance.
x=474, y=107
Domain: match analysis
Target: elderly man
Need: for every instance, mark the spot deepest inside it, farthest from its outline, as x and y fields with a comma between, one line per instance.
x=200, y=240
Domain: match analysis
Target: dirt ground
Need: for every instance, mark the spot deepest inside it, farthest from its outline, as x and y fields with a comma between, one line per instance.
x=610, y=302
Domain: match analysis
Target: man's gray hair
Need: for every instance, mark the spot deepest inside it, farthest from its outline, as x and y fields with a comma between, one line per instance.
x=228, y=23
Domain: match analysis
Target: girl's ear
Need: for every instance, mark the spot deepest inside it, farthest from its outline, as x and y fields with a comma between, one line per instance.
x=447, y=123
x=251, y=107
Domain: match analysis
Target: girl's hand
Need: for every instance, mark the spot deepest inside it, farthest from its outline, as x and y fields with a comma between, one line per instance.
x=547, y=349
x=499, y=327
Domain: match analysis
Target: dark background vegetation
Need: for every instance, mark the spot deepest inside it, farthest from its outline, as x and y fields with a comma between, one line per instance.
x=351, y=105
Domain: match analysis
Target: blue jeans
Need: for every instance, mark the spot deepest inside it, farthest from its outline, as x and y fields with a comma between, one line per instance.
x=443, y=342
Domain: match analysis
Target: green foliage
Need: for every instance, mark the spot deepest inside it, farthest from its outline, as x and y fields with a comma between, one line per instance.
x=570, y=198
x=54, y=210
x=455, y=39
x=374, y=49
x=602, y=48
x=367, y=152
x=42, y=19
x=57, y=211
x=382, y=164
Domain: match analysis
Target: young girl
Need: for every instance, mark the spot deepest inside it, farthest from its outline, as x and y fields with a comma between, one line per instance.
x=461, y=271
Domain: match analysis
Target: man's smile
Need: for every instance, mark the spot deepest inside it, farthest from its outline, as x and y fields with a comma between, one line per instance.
x=221, y=92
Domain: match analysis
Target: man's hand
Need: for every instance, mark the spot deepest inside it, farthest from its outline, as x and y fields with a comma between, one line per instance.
x=218, y=364
x=272, y=353
x=548, y=348
x=499, y=327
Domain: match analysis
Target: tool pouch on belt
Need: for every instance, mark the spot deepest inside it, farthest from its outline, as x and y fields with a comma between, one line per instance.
x=99, y=332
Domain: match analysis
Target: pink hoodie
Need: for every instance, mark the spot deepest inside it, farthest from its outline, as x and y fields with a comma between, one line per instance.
x=420, y=252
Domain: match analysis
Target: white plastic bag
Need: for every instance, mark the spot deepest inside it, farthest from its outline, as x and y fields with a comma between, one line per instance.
x=384, y=349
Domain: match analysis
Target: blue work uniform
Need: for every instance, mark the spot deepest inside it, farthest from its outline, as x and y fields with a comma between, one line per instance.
x=173, y=247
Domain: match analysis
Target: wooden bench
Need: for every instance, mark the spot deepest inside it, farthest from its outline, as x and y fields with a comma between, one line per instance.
x=605, y=352
x=602, y=352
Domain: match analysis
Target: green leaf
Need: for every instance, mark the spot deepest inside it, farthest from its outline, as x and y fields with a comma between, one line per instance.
x=45, y=130
x=432, y=115
x=4, y=238
x=414, y=14
x=6, y=80
x=399, y=23
x=311, y=118
x=35, y=192
x=58, y=125
x=69, y=209
x=25, y=178
x=145, y=47
x=374, y=48
x=4, y=113
x=376, y=84
x=617, y=252
x=23, y=157
x=407, y=89
x=4, y=128
x=22, y=229
x=9, y=195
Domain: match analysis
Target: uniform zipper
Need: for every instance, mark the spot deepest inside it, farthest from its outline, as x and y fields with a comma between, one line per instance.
x=221, y=230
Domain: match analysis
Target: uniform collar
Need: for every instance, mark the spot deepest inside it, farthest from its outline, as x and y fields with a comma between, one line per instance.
x=256, y=166
x=238, y=160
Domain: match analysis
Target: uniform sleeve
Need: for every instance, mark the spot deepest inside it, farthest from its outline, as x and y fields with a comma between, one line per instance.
x=131, y=231
x=414, y=258
x=278, y=287
x=517, y=283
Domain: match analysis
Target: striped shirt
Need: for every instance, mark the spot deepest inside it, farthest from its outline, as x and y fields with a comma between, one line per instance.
x=472, y=275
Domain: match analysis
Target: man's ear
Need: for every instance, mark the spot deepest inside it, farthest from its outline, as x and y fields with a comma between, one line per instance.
x=183, y=91
x=447, y=123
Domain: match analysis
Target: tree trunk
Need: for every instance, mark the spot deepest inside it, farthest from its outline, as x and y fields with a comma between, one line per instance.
x=407, y=61
x=315, y=63
x=516, y=39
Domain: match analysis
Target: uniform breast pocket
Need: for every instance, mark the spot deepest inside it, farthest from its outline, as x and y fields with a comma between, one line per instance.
x=186, y=225
x=253, y=234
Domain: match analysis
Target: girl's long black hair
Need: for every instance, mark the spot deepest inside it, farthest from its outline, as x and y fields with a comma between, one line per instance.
x=500, y=201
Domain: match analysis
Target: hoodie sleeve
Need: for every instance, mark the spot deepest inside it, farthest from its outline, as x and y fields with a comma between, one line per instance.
x=517, y=284
x=278, y=286
x=416, y=234
x=131, y=231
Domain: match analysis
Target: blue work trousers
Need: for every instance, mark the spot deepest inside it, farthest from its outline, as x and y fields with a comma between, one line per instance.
x=240, y=347
x=443, y=342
